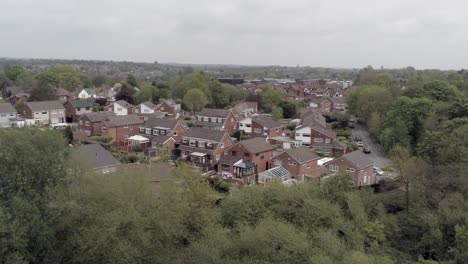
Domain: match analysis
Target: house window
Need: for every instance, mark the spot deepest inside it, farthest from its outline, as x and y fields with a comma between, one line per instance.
x=247, y=154
x=201, y=144
x=278, y=162
x=78, y=109
x=218, y=157
x=292, y=163
x=248, y=125
x=220, y=120
x=241, y=125
x=148, y=131
x=174, y=133
x=221, y=145
x=87, y=123
x=184, y=140
x=257, y=130
x=200, y=118
x=306, y=135
x=126, y=126
x=163, y=132
x=44, y=113
x=87, y=108
x=298, y=134
x=334, y=168
x=350, y=169
x=155, y=132
x=262, y=157
x=209, y=144
x=206, y=119
x=142, y=130
x=232, y=119
x=193, y=143
x=119, y=109
x=327, y=141
x=318, y=140
x=80, y=122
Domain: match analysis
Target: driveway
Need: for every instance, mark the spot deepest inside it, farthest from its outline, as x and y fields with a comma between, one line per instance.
x=377, y=155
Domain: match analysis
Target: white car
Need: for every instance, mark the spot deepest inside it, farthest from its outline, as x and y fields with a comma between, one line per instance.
x=360, y=144
x=379, y=171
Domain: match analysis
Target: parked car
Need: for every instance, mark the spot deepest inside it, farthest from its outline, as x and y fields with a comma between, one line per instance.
x=357, y=139
x=366, y=150
x=360, y=143
x=351, y=125
x=378, y=171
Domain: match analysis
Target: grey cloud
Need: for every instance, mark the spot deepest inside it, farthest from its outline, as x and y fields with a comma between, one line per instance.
x=426, y=34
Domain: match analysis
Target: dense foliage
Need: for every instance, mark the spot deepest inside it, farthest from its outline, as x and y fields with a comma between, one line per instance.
x=55, y=210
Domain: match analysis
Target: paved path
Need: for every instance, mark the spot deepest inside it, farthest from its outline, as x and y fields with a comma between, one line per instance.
x=377, y=155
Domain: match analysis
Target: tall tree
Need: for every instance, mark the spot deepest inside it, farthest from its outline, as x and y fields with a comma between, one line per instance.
x=195, y=100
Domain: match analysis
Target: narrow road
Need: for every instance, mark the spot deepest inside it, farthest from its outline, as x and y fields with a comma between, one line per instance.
x=377, y=155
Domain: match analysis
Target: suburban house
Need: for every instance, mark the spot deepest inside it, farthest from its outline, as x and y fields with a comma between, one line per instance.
x=263, y=126
x=216, y=119
x=46, y=112
x=19, y=96
x=300, y=162
x=323, y=140
x=170, y=107
x=100, y=158
x=245, y=109
x=255, y=150
x=358, y=165
x=75, y=108
x=87, y=93
x=158, y=127
x=328, y=104
x=144, y=108
x=160, y=143
x=63, y=95
x=7, y=113
x=91, y=122
x=120, y=128
x=120, y=108
x=235, y=168
x=108, y=93
x=204, y=147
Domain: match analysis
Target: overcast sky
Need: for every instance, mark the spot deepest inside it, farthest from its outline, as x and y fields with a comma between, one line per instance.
x=329, y=33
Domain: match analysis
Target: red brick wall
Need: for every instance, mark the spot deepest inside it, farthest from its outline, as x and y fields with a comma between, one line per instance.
x=316, y=134
x=275, y=132
x=69, y=110
x=256, y=125
x=164, y=107
x=299, y=169
x=262, y=163
x=358, y=176
x=220, y=151
x=119, y=134
x=230, y=125
x=180, y=132
x=26, y=111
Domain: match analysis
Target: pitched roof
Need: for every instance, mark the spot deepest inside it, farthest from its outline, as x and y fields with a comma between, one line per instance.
x=302, y=154
x=62, y=92
x=159, y=139
x=44, y=105
x=229, y=160
x=203, y=133
x=99, y=155
x=256, y=145
x=149, y=104
x=326, y=131
x=7, y=108
x=98, y=116
x=159, y=122
x=126, y=120
x=90, y=90
x=266, y=121
x=211, y=112
x=81, y=103
x=124, y=103
x=358, y=159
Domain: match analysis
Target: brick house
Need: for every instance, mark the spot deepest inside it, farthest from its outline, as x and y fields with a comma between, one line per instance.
x=91, y=122
x=255, y=150
x=47, y=112
x=245, y=109
x=323, y=140
x=328, y=104
x=301, y=162
x=158, y=127
x=170, y=107
x=358, y=165
x=120, y=108
x=75, y=108
x=204, y=147
x=63, y=95
x=265, y=126
x=120, y=128
x=235, y=168
x=216, y=119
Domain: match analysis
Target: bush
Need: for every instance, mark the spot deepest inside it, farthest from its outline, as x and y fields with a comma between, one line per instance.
x=343, y=133
x=137, y=148
x=132, y=158
x=103, y=139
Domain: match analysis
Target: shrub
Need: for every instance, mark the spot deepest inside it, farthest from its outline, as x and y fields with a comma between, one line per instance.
x=103, y=139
